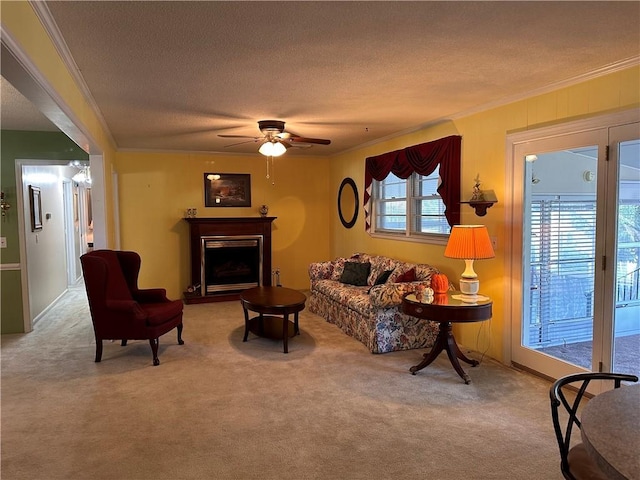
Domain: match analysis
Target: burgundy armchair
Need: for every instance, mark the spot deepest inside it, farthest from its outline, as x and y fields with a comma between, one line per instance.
x=119, y=309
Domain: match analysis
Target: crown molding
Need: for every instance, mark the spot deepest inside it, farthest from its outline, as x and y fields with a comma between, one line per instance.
x=43, y=13
x=599, y=72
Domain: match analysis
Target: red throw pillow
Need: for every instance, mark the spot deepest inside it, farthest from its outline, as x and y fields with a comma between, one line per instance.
x=408, y=276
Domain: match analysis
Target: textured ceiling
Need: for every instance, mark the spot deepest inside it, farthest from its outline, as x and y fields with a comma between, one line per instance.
x=173, y=75
x=18, y=113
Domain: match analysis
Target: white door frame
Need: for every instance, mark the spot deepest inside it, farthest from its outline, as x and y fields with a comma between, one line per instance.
x=70, y=247
x=98, y=202
x=514, y=198
x=617, y=134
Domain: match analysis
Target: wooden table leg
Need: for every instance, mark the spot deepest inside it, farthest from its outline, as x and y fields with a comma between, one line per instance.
x=446, y=341
x=453, y=358
x=460, y=355
x=438, y=346
x=246, y=324
x=285, y=332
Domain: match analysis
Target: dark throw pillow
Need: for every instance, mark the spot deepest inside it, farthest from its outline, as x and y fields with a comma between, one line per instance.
x=355, y=273
x=408, y=276
x=383, y=277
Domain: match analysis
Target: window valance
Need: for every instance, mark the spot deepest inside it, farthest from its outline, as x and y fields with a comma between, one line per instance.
x=422, y=159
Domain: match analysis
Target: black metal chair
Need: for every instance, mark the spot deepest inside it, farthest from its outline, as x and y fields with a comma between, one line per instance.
x=575, y=462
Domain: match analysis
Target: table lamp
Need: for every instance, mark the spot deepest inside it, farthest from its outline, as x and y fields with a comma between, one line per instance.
x=469, y=243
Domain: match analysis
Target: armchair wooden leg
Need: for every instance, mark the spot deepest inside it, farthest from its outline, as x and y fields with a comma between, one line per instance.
x=154, y=349
x=123, y=343
x=180, y=341
x=98, y=349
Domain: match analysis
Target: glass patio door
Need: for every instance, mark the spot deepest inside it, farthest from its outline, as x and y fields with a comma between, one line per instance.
x=580, y=246
x=624, y=298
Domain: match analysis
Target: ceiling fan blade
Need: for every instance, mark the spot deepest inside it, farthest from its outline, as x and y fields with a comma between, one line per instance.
x=255, y=140
x=240, y=136
x=319, y=141
x=301, y=145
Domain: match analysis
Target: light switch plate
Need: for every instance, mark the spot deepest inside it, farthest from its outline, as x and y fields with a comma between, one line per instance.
x=3, y=242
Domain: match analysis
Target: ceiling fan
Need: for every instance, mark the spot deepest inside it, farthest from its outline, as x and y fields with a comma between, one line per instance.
x=275, y=140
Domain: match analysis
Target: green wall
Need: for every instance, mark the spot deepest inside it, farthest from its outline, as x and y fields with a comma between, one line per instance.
x=22, y=145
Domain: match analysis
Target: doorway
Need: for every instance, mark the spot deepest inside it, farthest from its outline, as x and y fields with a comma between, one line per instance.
x=577, y=230
x=53, y=242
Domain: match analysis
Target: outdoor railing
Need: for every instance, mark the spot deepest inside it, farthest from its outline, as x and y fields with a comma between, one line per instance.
x=628, y=287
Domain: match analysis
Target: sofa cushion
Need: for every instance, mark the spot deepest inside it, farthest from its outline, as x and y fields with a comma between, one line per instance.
x=338, y=267
x=350, y=296
x=390, y=294
x=320, y=270
x=382, y=279
x=159, y=313
x=354, y=298
x=355, y=273
x=379, y=265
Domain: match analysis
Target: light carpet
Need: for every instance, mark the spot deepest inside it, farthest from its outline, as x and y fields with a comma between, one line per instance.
x=218, y=408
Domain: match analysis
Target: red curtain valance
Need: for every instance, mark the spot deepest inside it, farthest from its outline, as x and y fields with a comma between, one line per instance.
x=422, y=159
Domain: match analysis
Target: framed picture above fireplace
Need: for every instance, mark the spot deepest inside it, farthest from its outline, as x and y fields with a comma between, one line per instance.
x=227, y=190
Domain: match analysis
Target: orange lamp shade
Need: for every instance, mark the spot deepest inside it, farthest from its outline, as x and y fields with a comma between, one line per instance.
x=469, y=242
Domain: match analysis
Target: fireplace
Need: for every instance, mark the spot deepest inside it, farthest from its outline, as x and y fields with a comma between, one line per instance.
x=228, y=255
x=230, y=263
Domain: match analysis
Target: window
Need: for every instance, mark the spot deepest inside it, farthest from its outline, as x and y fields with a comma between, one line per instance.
x=391, y=204
x=428, y=213
x=411, y=207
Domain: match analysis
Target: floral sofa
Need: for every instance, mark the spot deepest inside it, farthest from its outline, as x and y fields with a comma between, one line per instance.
x=368, y=307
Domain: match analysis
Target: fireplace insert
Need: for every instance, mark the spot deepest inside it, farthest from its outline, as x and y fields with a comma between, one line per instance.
x=230, y=263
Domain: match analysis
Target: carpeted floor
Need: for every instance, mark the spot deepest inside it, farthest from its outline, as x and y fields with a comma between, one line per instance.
x=218, y=408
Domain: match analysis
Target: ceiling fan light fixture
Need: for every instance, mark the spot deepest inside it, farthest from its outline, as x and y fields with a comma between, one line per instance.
x=272, y=148
x=266, y=148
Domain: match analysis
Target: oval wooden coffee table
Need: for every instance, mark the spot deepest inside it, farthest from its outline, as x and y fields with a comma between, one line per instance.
x=268, y=302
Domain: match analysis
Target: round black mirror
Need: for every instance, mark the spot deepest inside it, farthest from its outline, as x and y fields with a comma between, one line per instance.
x=348, y=202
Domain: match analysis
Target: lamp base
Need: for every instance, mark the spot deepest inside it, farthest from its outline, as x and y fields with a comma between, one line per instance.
x=469, y=287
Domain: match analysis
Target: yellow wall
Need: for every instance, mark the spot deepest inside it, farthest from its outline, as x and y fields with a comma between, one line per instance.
x=22, y=23
x=483, y=151
x=155, y=189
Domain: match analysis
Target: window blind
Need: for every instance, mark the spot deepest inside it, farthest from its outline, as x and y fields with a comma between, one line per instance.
x=563, y=235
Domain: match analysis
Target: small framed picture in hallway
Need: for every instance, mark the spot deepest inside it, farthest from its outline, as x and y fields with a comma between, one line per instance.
x=36, y=208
